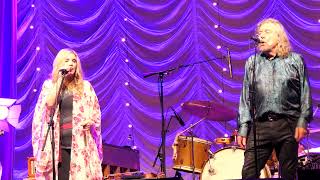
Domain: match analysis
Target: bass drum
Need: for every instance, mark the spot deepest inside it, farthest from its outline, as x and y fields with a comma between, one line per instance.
x=227, y=164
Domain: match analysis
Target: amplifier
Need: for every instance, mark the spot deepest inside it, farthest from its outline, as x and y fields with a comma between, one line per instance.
x=118, y=159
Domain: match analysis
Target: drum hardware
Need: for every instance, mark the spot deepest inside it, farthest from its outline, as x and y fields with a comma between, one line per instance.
x=213, y=156
x=205, y=110
x=311, y=131
x=309, y=166
x=309, y=162
x=211, y=171
x=234, y=148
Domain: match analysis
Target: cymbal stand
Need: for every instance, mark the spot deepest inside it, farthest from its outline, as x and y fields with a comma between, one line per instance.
x=190, y=130
x=192, y=125
x=192, y=154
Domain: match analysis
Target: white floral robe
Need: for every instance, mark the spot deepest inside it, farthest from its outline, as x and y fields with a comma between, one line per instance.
x=86, y=146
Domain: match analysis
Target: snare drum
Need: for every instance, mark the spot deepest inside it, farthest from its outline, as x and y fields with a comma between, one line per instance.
x=227, y=164
x=183, y=161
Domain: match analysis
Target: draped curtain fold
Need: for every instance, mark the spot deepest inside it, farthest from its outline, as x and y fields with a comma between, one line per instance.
x=8, y=74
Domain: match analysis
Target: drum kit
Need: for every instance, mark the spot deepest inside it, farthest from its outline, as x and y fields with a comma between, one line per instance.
x=193, y=155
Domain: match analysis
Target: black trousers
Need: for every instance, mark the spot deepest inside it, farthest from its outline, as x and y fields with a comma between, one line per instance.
x=64, y=165
x=273, y=133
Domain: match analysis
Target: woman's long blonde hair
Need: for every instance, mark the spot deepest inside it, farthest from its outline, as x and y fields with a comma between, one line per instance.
x=283, y=47
x=77, y=83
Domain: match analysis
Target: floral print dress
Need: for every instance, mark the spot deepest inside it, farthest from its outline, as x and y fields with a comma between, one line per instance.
x=86, y=146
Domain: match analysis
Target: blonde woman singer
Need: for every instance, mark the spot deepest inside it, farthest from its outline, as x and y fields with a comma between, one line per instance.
x=77, y=124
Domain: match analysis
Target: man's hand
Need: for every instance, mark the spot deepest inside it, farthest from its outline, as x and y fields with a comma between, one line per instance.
x=242, y=141
x=300, y=133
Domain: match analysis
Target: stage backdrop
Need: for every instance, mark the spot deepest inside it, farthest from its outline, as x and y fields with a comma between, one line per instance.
x=120, y=40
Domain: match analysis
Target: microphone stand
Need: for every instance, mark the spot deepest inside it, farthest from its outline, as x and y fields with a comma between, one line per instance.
x=159, y=149
x=161, y=75
x=51, y=126
x=252, y=89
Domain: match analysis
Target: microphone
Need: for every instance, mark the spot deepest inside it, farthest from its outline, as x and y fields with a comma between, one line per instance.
x=229, y=62
x=177, y=117
x=64, y=71
x=256, y=39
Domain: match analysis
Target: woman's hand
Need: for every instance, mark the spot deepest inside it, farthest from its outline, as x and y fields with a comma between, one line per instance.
x=51, y=98
x=86, y=124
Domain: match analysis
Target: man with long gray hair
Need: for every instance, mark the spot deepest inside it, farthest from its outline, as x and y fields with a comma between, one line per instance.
x=276, y=93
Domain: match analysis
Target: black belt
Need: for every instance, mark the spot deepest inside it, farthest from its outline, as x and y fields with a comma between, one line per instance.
x=271, y=116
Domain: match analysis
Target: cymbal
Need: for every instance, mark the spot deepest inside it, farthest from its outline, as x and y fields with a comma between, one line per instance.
x=313, y=130
x=209, y=110
x=223, y=140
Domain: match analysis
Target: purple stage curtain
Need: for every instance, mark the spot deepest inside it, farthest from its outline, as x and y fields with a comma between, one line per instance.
x=8, y=57
x=153, y=36
x=8, y=49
